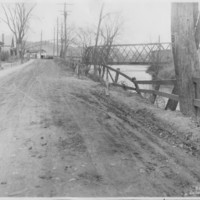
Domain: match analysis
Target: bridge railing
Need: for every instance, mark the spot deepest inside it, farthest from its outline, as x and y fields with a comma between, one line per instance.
x=129, y=54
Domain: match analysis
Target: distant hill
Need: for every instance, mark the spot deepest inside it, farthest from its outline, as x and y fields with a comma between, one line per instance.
x=47, y=46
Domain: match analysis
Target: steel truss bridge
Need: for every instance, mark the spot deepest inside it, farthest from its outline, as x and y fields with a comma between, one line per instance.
x=129, y=54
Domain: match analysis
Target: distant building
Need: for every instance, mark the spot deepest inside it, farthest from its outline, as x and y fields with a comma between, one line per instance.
x=35, y=53
x=43, y=54
x=6, y=47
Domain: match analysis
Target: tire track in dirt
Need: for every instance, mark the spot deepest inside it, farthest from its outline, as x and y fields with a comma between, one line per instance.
x=81, y=133
x=71, y=137
x=145, y=140
x=72, y=141
x=93, y=150
x=115, y=136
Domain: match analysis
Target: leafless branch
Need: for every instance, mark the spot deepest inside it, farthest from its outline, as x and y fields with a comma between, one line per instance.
x=17, y=18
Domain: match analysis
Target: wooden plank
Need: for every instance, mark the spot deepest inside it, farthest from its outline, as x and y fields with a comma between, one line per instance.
x=122, y=74
x=196, y=102
x=123, y=86
x=136, y=86
x=160, y=82
x=117, y=75
x=163, y=94
x=170, y=96
x=196, y=80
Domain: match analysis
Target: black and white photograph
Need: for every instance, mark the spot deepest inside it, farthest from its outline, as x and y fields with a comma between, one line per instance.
x=100, y=99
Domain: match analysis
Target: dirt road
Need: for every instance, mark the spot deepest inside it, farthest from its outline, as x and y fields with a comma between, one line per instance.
x=61, y=136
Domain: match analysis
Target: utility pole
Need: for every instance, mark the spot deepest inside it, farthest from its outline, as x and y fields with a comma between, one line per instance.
x=65, y=30
x=40, y=43
x=54, y=41
x=61, y=39
x=57, y=34
x=65, y=38
x=184, y=21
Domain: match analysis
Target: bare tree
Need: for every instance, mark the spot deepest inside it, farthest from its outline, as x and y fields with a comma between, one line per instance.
x=108, y=29
x=97, y=39
x=66, y=42
x=109, y=33
x=84, y=40
x=17, y=17
x=71, y=38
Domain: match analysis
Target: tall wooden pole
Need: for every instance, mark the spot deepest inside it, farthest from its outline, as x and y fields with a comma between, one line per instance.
x=40, y=43
x=61, y=39
x=184, y=50
x=54, y=41
x=57, y=36
x=65, y=30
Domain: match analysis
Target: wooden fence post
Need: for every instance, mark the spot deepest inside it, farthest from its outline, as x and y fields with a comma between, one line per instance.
x=153, y=96
x=172, y=104
x=103, y=72
x=136, y=86
x=197, y=95
x=107, y=83
x=99, y=71
x=117, y=75
x=77, y=70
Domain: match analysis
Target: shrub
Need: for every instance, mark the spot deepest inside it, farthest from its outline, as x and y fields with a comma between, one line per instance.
x=4, y=56
x=166, y=71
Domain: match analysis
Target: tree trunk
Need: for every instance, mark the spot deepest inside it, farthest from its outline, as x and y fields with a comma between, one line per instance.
x=184, y=50
x=95, y=53
x=17, y=49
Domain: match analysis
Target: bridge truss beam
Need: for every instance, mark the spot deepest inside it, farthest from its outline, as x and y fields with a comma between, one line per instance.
x=131, y=54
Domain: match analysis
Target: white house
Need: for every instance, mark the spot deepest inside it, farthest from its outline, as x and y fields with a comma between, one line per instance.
x=34, y=53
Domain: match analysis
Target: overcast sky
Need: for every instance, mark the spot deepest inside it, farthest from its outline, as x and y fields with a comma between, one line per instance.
x=143, y=20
